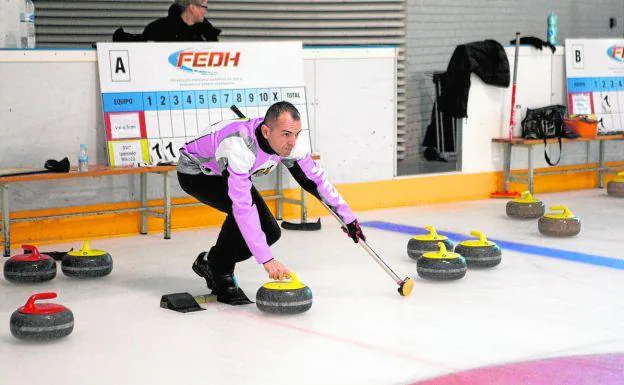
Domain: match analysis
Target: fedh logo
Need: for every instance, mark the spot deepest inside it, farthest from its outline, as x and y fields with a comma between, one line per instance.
x=203, y=61
x=616, y=52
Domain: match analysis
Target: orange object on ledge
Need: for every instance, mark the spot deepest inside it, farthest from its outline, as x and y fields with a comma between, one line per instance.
x=582, y=126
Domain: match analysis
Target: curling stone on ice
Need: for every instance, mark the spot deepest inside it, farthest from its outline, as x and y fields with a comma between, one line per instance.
x=290, y=297
x=525, y=207
x=563, y=224
x=479, y=252
x=615, y=188
x=87, y=263
x=420, y=244
x=441, y=265
x=41, y=321
x=30, y=267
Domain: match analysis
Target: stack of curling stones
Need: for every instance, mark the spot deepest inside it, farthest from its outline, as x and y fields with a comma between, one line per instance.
x=479, y=252
x=419, y=244
x=87, y=263
x=441, y=265
x=615, y=188
x=41, y=321
x=30, y=267
x=525, y=207
x=290, y=297
x=561, y=224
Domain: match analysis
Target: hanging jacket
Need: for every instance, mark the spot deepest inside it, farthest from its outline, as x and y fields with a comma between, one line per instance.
x=487, y=59
x=236, y=150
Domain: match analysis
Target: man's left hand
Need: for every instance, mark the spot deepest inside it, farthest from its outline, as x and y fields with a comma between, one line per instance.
x=354, y=231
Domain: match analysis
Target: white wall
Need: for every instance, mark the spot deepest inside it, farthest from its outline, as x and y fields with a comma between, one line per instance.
x=50, y=103
x=541, y=82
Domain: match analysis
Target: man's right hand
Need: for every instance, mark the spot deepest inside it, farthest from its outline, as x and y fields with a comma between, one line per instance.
x=276, y=270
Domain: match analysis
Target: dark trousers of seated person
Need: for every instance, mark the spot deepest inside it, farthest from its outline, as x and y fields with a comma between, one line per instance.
x=231, y=246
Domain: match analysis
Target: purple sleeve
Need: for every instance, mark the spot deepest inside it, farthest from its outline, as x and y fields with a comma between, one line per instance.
x=326, y=191
x=246, y=215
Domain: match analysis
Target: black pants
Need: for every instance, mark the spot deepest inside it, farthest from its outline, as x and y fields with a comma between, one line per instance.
x=231, y=246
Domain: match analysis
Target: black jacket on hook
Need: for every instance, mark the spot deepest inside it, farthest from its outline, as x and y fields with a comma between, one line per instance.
x=487, y=59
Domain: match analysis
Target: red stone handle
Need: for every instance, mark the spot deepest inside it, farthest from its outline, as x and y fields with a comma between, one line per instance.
x=30, y=304
x=33, y=250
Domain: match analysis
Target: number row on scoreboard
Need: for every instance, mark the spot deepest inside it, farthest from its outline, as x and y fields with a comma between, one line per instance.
x=204, y=99
x=595, y=84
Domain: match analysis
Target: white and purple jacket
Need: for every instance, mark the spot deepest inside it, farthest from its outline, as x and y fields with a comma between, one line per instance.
x=236, y=149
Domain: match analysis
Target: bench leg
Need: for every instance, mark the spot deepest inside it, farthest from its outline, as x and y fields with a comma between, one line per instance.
x=167, y=206
x=280, y=191
x=143, y=182
x=6, y=224
x=506, y=166
x=304, y=211
x=601, y=163
x=530, y=168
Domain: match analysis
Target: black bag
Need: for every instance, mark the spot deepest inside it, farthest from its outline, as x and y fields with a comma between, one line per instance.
x=543, y=123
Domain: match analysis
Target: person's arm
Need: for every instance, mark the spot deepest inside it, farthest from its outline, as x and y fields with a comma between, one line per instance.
x=246, y=213
x=237, y=160
x=240, y=162
x=158, y=30
x=312, y=178
x=208, y=31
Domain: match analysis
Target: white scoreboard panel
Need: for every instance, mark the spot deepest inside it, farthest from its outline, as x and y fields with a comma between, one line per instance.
x=595, y=81
x=158, y=96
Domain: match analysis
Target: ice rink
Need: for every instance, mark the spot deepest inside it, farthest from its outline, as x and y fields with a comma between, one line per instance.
x=550, y=313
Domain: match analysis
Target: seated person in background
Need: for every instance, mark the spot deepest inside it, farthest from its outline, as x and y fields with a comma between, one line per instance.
x=186, y=22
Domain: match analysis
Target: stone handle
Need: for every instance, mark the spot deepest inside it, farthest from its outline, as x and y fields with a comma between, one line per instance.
x=30, y=304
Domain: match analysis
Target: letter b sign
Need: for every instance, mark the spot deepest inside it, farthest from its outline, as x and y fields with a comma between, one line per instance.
x=578, y=56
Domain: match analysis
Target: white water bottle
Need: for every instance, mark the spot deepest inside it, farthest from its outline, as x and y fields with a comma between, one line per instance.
x=518, y=120
x=83, y=159
x=27, y=24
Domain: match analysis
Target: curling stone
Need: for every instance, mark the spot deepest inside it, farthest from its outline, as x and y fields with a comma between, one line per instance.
x=479, y=252
x=30, y=267
x=525, y=207
x=615, y=188
x=291, y=297
x=37, y=321
x=441, y=265
x=420, y=244
x=87, y=262
x=563, y=224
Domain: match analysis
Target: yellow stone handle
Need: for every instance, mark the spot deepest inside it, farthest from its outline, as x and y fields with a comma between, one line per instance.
x=432, y=231
x=86, y=248
x=621, y=173
x=294, y=278
x=526, y=196
x=566, y=211
x=480, y=235
x=442, y=247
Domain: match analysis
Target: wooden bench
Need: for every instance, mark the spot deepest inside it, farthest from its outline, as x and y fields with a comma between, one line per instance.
x=94, y=171
x=101, y=171
x=529, y=176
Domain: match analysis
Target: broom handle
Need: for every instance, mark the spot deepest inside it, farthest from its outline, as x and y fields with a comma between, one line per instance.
x=366, y=247
x=512, y=116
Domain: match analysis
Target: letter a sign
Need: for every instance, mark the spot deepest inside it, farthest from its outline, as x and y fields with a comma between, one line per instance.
x=119, y=66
